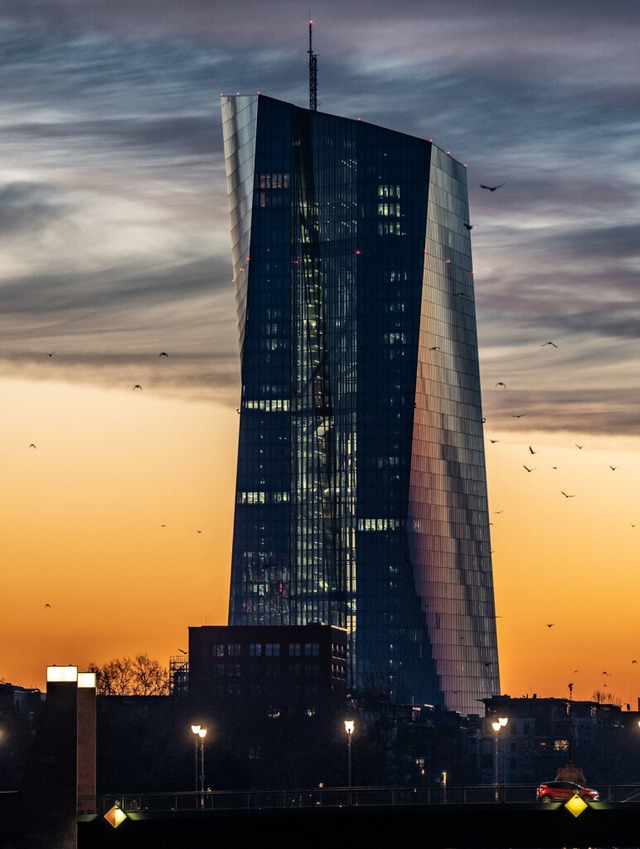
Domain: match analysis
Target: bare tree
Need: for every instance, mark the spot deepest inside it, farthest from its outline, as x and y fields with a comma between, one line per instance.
x=138, y=676
x=606, y=698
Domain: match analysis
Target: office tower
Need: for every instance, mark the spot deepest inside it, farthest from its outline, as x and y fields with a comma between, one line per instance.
x=361, y=495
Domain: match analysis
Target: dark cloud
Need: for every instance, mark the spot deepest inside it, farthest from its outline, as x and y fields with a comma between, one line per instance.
x=25, y=207
x=114, y=216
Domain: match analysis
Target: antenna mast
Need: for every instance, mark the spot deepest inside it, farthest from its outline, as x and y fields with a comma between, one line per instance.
x=313, y=73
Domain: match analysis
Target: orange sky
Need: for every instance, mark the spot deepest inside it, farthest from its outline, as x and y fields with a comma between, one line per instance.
x=121, y=517
x=115, y=246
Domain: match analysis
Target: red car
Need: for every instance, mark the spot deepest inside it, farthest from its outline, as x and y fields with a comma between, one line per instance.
x=562, y=791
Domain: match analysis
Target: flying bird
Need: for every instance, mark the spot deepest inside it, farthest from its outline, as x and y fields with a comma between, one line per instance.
x=183, y=651
x=567, y=496
x=137, y=386
x=532, y=451
x=500, y=383
x=527, y=468
x=579, y=446
x=47, y=605
x=32, y=445
x=469, y=226
x=494, y=440
x=163, y=354
x=634, y=661
x=549, y=343
x=492, y=188
x=550, y=624
x=613, y=468
x=50, y=353
x=516, y=416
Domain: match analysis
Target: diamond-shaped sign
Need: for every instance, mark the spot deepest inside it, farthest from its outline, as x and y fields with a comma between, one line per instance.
x=115, y=816
x=576, y=805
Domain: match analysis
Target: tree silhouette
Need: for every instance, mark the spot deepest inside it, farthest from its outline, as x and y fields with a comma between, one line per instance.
x=140, y=676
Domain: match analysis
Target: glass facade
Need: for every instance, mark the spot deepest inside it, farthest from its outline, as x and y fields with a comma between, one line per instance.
x=361, y=498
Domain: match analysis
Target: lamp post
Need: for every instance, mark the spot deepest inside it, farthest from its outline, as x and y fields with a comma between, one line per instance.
x=202, y=734
x=349, y=725
x=199, y=733
x=497, y=726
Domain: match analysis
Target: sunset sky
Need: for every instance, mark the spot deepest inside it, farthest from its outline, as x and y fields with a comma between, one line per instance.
x=116, y=503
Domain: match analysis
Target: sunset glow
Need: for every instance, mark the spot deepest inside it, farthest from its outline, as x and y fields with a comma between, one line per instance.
x=116, y=504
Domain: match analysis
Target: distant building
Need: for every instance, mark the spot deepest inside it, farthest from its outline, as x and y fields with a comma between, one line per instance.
x=543, y=736
x=279, y=666
x=20, y=709
x=273, y=697
x=361, y=496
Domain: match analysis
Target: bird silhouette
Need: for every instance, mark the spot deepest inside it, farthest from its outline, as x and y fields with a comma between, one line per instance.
x=634, y=661
x=567, y=496
x=500, y=383
x=532, y=451
x=579, y=446
x=163, y=354
x=32, y=445
x=550, y=624
x=516, y=416
x=183, y=651
x=137, y=386
x=469, y=226
x=492, y=188
x=494, y=440
x=47, y=605
x=613, y=468
x=527, y=468
x=549, y=343
x=434, y=348
x=50, y=353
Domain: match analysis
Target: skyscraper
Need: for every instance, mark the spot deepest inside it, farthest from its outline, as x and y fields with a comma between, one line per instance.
x=361, y=496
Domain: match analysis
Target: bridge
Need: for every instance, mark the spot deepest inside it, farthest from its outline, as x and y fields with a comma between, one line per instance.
x=480, y=817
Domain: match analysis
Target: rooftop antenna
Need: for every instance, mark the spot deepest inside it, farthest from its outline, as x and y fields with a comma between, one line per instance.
x=313, y=72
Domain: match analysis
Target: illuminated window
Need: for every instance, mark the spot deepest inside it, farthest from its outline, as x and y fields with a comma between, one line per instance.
x=273, y=181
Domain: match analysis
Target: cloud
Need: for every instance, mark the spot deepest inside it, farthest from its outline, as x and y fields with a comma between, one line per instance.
x=113, y=209
x=27, y=206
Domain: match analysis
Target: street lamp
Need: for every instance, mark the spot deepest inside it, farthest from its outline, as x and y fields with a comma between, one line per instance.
x=199, y=733
x=497, y=726
x=349, y=725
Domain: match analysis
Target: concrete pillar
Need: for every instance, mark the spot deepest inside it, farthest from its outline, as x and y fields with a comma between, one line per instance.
x=86, y=741
x=61, y=770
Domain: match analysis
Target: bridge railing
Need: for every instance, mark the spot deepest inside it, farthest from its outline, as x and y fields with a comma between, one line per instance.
x=220, y=800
